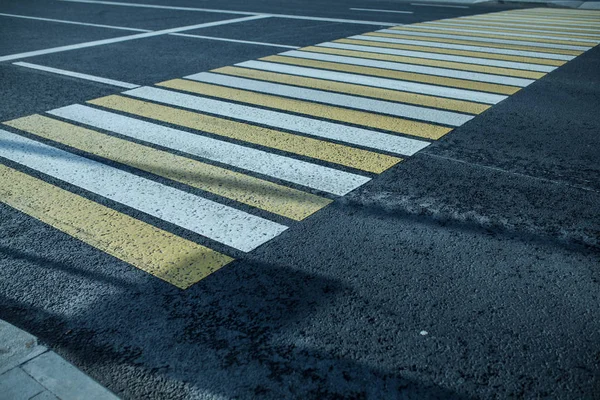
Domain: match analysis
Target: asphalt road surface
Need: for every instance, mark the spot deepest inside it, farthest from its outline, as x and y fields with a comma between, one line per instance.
x=253, y=233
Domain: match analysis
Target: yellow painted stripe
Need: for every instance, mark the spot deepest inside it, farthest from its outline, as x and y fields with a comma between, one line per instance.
x=335, y=113
x=387, y=73
x=491, y=36
x=511, y=31
x=321, y=150
x=491, y=56
x=476, y=43
x=528, y=23
x=513, y=25
x=425, y=61
x=162, y=254
x=358, y=90
x=254, y=192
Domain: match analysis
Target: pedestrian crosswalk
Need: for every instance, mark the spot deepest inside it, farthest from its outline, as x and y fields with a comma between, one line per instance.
x=238, y=155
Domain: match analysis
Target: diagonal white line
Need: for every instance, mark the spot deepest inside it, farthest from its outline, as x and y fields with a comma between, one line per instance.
x=127, y=38
x=78, y=75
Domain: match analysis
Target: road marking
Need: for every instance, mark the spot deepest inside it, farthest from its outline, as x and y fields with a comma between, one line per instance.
x=126, y=38
x=234, y=40
x=177, y=261
x=473, y=42
x=107, y=81
x=494, y=71
x=460, y=76
x=531, y=23
x=477, y=92
x=383, y=107
x=508, y=25
x=62, y=21
x=378, y=10
x=498, y=34
x=466, y=62
x=358, y=90
x=356, y=117
x=383, y=83
x=484, y=39
x=295, y=144
x=218, y=222
x=277, y=199
x=445, y=51
x=515, y=31
x=538, y=20
x=213, y=10
x=148, y=30
x=285, y=168
x=437, y=5
x=308, y=126
x=471, y=48
x=359, y=79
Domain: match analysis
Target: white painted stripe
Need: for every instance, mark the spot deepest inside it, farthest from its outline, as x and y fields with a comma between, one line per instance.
x=524, y=28
x=280, y=167
x=537, y=20
x=486, y=40
x=465, y=47
x=436, y=5
x=519, y=35
x=126, y=38
x=442, y=57
x=385, y=83
x=78, y=75
x=62, y=21
x=361, y=103
x=235, y=40
x=214, y=10
x=308, y=126
x=216, y=221
x=451, y=73
x=378, y=10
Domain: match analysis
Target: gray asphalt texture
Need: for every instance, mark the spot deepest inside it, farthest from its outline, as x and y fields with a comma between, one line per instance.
x=488, y=240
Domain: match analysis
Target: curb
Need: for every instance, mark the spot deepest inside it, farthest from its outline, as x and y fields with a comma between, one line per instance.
x=30, y=371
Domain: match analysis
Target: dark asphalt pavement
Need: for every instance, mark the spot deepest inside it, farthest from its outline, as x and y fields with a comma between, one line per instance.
x=488, y=241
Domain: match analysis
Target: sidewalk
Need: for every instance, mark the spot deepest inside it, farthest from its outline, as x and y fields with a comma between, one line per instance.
x=31, y=371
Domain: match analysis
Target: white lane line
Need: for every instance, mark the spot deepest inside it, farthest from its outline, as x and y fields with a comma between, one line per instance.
x=441, y=57
x=308, y=126
x=214, y=10
x=62, y=21
x=378, y=10
x=393, y=84
x=486, y=40
x=565, y=31
x=78, y=75
x=436, y=5
x=361, y=103
x=509, y=35
x=216, y=221
x=285, y=168
x=479, y=49
x=126, y=38
x=450, y=73
x=235, y=40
